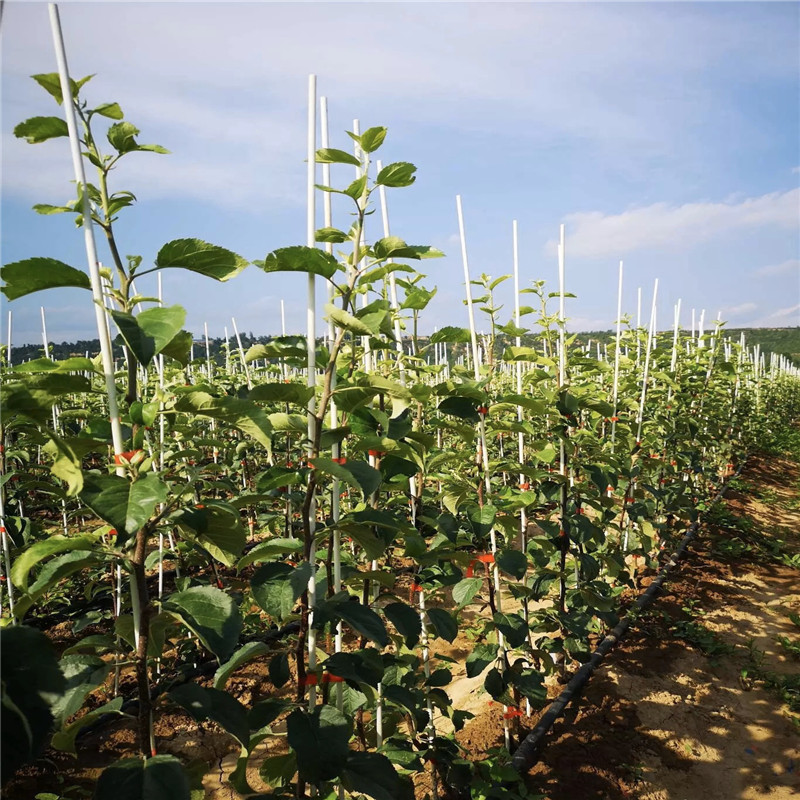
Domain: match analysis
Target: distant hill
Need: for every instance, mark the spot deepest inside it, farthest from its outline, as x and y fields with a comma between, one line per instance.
x=785, y=341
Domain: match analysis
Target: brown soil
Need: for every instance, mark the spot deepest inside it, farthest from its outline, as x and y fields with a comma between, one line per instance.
x=663, y=721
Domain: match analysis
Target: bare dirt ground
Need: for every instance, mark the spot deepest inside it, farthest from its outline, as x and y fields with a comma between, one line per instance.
x=663, y=721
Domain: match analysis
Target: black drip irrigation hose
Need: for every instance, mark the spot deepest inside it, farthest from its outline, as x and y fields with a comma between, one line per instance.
x=527, y=754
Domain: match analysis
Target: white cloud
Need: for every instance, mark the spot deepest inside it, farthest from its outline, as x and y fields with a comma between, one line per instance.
x=595, y=234
x=782, y=318
x=742, y=308
x=795, y=170
x=784, y=268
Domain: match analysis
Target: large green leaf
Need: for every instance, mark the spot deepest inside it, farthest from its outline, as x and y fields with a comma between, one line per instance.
x=35, y=274
x=330, y=155
x=51, y=574
x=83, y=674
x=65, y=738
x=219, y=529
x=395, y=247
x=277, y=586
x=443, y=623
x=465, y=590
x=362, y=619
x=51, y=546
x=122, y=137
x=479, y=658
x=244, y=654
x=372, y=139
x=320, y=741
x=125, y=505
x=40, y=129
x=406, y=620
x=401, y=173
x=210, y=614
x=299, y=258
x=149, y=332
x=51, y=83
x=179, y=348
x=451, y=334
x=156, y=778
x=32, y=682
x=202, y=257
x=513, y=562
x=342, y=319
x=293, y=392
x=213, y=704
x=374, y=775
x=232, y=411
x=356, y=473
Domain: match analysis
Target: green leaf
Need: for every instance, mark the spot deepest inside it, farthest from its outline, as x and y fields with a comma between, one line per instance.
x=374, y=775
x=394, y=247
x=278, y=671
x=122, y=137
x=372, y=139
x=451, y=334
x=343, y=319
x=110, y=110
x=278, y=771
x=64, y=739
x=201, y=257
x=32, y=682
x=83, y=674
x=513, y=627
x=406, y=620
x=51, y=83
x=123, y=504
x=320, y=741
x=479, y=658
x=213, y=704
x=465, y=590
x=148, y=333
x=461, y=407
x=356, y=188
x=332, y=235
x=398, y=174
x=51, y=574
x=361, y=619
x=281, y=393
x=36, y=274
x=356, y=473
x=179, y=348
x=299, y=258
x=494, y=683
x=244, y=654
x=219, y=529
x=156, y=778
x=443, y=623
x=210, y=614
x=530, y=684
x=512, y=562
x=330, y=155
x=232, y=411
x=24, y=562
x=40, y=129
x=277, y=586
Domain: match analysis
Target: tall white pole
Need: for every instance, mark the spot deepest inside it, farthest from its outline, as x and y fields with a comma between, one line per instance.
x=616, y=359
x=88, y=231
x=311, y=345
x=8, y=342
x=481, y=427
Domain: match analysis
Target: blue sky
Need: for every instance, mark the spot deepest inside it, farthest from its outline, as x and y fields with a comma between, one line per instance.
x=663, y=134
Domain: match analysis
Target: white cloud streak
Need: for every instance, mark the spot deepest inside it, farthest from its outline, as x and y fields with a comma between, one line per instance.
x=791, y=265
x=594, y=234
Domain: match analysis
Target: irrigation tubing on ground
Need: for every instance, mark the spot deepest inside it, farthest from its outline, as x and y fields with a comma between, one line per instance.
x=527, y=753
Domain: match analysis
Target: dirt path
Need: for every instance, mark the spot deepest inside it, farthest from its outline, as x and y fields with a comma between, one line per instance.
x=663, y=721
